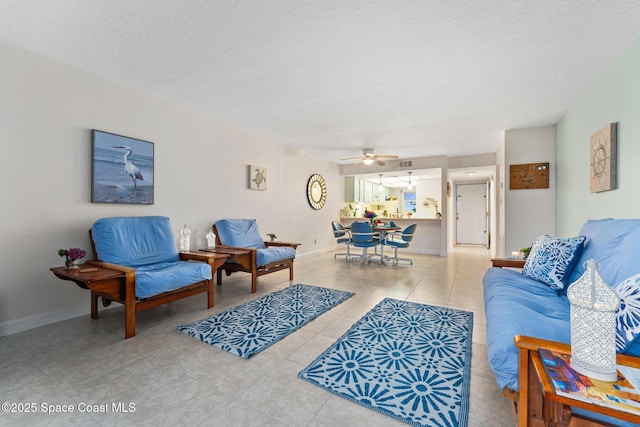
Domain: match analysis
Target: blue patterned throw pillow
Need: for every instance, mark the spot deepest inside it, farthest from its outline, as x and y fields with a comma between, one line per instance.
x=628, y=314
x=552, y=260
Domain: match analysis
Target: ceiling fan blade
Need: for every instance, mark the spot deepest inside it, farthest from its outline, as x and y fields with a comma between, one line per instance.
x=368, y=157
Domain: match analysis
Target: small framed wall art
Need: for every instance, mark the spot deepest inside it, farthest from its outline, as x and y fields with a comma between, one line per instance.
x=257, y=177
x=528, y=176
x=121, y=169
x=602, y=159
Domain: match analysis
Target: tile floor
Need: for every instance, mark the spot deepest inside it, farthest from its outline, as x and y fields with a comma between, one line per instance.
x=172, y=379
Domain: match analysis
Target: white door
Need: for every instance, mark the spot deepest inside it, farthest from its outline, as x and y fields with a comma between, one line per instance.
x=472, y=218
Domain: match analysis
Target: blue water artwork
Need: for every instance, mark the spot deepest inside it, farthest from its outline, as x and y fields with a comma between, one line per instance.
x=122, y=169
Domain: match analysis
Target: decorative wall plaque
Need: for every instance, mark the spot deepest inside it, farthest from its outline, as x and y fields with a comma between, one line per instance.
x=257, y=177
x=527, y=176
x=602, y=167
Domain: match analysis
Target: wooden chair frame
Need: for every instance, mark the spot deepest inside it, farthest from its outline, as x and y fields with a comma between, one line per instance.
x=247, y=261
x=122, y=289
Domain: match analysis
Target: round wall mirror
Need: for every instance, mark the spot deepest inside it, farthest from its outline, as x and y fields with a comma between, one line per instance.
x=316, y=191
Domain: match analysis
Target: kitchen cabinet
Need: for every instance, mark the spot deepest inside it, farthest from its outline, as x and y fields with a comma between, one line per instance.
x=352, y=189
x=362, y=191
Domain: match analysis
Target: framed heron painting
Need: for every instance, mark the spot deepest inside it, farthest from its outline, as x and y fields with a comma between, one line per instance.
x=121, y=169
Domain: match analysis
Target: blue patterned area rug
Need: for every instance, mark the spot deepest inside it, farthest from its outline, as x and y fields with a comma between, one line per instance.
x=255, y=325
x=407, y=360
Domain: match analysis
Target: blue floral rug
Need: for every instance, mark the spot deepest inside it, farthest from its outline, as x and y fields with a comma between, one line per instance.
x=255, y=325
x=407, y=360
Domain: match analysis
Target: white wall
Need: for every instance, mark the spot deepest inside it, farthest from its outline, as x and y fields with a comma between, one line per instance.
x=46, y=113
x=500, y=192
x=428, y=188
x=614, y=98
x=529, y=212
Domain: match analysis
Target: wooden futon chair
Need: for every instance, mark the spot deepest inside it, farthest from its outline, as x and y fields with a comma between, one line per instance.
x=249, y=253
x=154, y=273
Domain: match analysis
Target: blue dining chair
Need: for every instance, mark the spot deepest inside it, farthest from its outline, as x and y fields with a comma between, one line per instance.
x=342, y=236
x=362, y=236
x=400, y=239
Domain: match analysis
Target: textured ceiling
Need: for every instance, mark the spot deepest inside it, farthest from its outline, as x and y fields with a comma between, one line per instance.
x=412, y=78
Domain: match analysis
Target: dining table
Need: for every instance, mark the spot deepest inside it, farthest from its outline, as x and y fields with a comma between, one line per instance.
x=382, y=230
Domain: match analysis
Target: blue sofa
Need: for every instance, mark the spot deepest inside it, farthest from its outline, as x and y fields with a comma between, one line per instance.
x=518, y=305
x=144, y=250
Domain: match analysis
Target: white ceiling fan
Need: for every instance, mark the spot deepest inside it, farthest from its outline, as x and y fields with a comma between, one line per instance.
x=369, y=157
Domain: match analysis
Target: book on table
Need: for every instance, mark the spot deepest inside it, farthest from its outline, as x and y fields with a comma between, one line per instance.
x=623, y=394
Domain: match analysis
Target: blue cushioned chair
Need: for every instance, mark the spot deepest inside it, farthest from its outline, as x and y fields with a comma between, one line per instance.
x=342, y=236
x=364, y=237
x=248, y=252
x=400, y=239
x=144, y=250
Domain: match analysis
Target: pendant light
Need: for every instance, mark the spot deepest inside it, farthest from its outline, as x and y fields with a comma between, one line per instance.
x=380, y=187
x=410, y=185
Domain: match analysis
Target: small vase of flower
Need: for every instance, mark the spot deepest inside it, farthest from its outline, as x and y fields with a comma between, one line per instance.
x=371, y=215
x=72, y=257
x=272, y=236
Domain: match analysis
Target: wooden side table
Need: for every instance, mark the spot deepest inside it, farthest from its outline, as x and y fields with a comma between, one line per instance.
x=538, y=403
x=507, y=262
x=236, y=254
x=106, y=282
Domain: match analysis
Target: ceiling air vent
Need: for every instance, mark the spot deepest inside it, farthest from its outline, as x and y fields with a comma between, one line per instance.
x=405, y=163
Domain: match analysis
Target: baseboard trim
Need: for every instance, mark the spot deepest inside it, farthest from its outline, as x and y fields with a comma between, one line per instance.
x=43, y=319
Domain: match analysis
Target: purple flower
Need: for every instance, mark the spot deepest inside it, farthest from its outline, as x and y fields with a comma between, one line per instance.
x=370, y=214
x=72, y=253
x=76, y=253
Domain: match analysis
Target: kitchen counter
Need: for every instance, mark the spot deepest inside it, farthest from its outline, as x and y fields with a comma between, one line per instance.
x=351, y=218
x=427, y=238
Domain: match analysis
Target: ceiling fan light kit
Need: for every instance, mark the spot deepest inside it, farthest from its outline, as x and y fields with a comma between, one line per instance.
x=369, y=157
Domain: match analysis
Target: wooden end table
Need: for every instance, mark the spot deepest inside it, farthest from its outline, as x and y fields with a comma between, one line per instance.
x=507, y=262
x=237, y=254
x=102, y=281
x=538, y=403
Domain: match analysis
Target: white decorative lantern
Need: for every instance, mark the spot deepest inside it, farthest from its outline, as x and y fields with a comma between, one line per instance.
x=185, y=239
x=593, y=325
x=211, y=240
